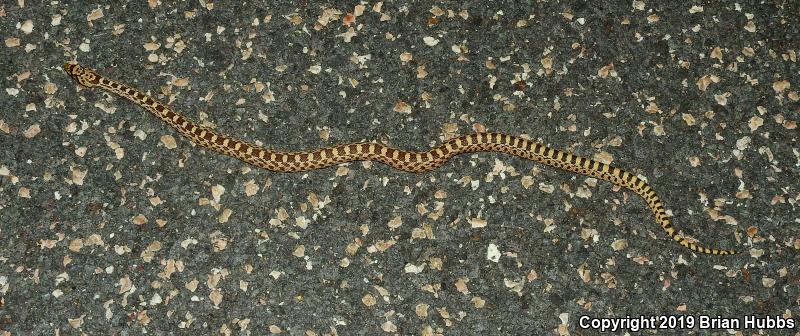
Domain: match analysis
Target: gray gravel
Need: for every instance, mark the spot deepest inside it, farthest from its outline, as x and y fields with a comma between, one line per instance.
x=111, y=223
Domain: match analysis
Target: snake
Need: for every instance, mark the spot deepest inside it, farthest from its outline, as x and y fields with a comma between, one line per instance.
x=408, y=161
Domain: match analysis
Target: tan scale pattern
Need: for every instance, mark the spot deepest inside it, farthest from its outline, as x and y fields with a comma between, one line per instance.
x=399, y=159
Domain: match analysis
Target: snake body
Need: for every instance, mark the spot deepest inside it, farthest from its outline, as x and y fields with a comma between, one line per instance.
x=280, y=161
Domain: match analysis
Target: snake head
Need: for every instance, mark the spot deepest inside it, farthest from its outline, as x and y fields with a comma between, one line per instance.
x=86, y=77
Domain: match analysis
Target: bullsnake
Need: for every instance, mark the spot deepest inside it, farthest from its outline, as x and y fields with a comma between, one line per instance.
x=415, y=162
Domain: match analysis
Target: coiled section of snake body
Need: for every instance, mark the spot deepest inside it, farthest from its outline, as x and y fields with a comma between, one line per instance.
x=416, y=162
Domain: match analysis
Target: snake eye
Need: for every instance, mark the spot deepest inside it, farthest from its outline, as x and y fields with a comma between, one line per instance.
x=73, y=69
